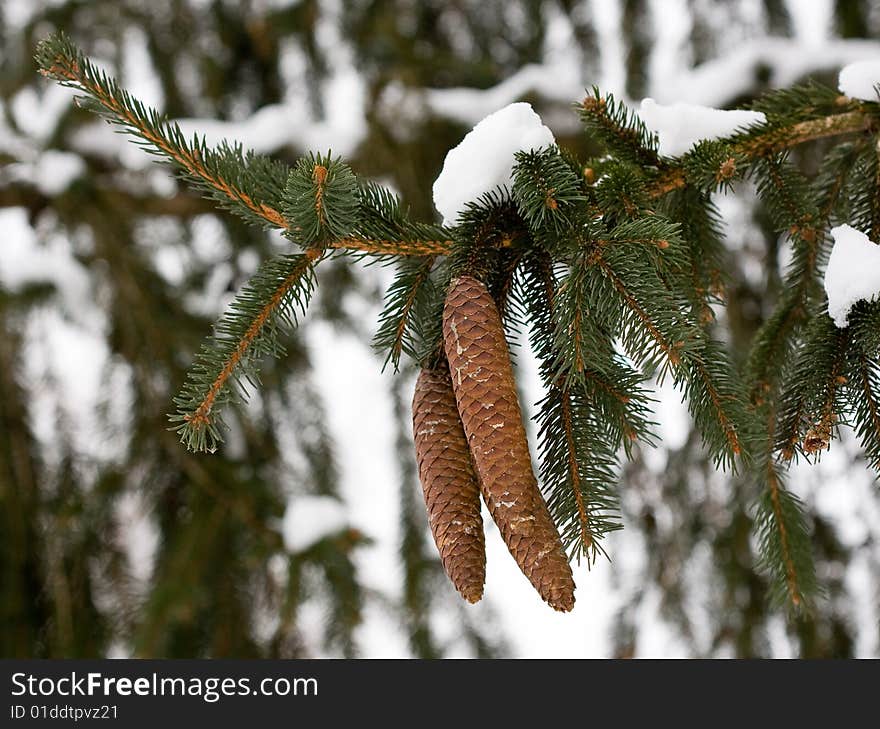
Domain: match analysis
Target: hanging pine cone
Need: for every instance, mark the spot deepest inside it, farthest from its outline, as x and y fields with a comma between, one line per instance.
x=482, y=378
x=449, y=483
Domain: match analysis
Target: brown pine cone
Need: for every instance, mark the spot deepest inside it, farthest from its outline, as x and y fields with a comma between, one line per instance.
x=482, y=378
x=449, y=483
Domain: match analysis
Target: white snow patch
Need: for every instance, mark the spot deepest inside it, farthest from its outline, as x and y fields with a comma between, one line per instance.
x=720, y=80
x=24, y=260
x=339, y=125
x=680, y=126
x=557, y=80
x=140, y=537
x=309, y=519
x=139, y=76
x=483, y=161
x=811, y=22
x=853, y=272
x=859, y=80
x=291, y=123
x=51, y=172
x=37, y=112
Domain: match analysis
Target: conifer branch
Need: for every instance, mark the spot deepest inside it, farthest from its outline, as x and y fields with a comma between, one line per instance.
x=576, y=435
x=786, y=551
x=717, y=399
x=867, y=406
x=621, y=130
x=584, y=356
x=779, y=519
x=810, y=399
x=407, y=298
x=387, y=248
x=668, y=348
x=804, y=211
x=767, y=142
x=250, y=185
x=583, y=518
x=773, y=344
x=697, y=261
x=785, y=542
x=546, y=189
x=320, y=200
x=626, y=252
x=696, y=362
x=60, y=60
x=246, y=332
x=793, y=208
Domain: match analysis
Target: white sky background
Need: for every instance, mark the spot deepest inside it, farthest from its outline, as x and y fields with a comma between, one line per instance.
x=356, y=394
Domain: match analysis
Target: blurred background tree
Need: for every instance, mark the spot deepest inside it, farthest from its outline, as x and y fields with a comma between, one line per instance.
x=291, y=541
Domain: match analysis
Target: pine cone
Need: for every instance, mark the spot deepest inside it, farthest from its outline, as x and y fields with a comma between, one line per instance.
x=449, y=483
x=482, y=378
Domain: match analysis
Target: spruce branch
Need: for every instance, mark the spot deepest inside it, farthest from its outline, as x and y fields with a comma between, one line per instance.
x=862, y=206
x=789, y=197
x=585, y=356
x=766, y=142
x=803, y=102
x=578, y=446
x=247, y=183
x=546, y=189
x=622, y=192
x=677, y=344
x=699, y=274
x=659, y=350
x=865, y=381
x=714, y=165
x=387, y=248
x=248, y=331
x=771, y=140
x=384, y=228
x=620, y=130
x=863, y=378
x=794, y=208
x=810, y=402
x=406, y=302
x=252, y=185
x=320, y=200
x=577, y=470
x=784, y=542
x=804, y=212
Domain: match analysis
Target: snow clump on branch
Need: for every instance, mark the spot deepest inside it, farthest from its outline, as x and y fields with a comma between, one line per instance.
x=853, y=272
x=483, y=161
x=860, y=80
x=680, y=126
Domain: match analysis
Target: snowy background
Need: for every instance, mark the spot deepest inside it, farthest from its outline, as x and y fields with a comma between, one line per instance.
x=65, y=343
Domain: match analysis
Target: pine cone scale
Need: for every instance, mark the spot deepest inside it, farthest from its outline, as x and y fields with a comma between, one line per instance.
x=449, y=485
x=485, y=391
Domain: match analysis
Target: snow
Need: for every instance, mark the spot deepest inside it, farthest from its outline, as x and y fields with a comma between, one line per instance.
x=559, y=77
x=37, y=114
x=25, y=260
x=860, y=80
x=336, y=122
x=680, y=126
x=785, y=61
x=483, y=161
x=309, y=519
x=51, y=172
x=563, y=71
x=292, y=123
x=853, y=272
